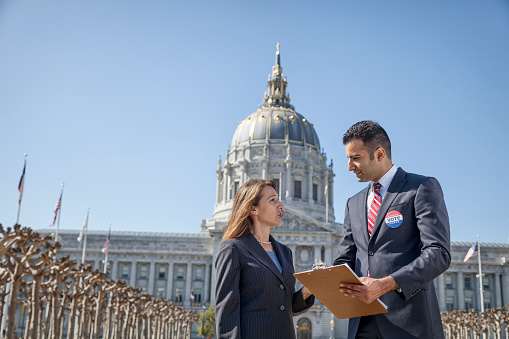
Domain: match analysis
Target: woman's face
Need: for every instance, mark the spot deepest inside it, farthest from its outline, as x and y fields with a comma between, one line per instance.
x=269, y=211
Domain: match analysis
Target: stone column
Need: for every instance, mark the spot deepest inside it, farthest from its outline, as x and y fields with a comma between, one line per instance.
x=288, y=194
x=265, y=167
x=189, y=279
x=218, y=186
x=505, y=284
x=217, y=241
x=441, y=292
x=114, y=270
x=318, y=253
x=97, y=265
x=169, y=283
x=206, y=285
x=133, y=274
x=225, y=185
x=151, y=276
x=310, y=185
x=498, y=291
x=328, y=255
x=459, y=291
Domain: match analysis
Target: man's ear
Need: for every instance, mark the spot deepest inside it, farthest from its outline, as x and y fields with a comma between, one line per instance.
x=380, y=153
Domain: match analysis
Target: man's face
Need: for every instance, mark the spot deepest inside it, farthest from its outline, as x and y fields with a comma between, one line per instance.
x=360, y=163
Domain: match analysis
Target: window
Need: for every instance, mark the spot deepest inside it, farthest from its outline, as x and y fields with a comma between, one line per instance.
x=160, y=293
x=469, y=304
x=198, y=273
x=197, y=296
x=487, y=303
x=143, y=271
x=162, y=272
x=236, y=188
x=124, y=271
x=449, y=303
x=448, y=281
x=297, y=189
x=179, y=292
x=486, y=283
x=468, y=283
x=180, y=272
x=315, y=192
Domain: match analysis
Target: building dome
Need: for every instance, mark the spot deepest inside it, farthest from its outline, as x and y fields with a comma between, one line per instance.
x=276, y=121
x=276, y=125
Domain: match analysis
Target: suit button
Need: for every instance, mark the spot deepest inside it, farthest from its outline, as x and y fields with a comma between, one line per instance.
x=371, y=253
x=282, y=307
x=282, y=286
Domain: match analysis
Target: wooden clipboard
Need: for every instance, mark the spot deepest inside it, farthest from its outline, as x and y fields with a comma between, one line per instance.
x=324, y=284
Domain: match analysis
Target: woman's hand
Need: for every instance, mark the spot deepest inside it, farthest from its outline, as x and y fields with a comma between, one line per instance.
x=305, y=293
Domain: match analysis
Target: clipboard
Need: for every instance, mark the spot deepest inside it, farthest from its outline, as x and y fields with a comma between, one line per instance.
x=324, y=284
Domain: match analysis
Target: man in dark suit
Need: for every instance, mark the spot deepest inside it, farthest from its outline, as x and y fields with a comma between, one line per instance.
x=396, y=237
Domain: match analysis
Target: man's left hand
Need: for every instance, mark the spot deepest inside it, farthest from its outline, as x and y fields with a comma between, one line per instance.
x=370, y=290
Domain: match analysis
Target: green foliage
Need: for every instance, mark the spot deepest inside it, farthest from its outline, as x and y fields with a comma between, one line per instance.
x=207, y=324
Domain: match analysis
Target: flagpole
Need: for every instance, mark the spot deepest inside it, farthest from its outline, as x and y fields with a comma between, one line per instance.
x=20, y=188
x=480, y=273
x=85, y=241
x=59, y=212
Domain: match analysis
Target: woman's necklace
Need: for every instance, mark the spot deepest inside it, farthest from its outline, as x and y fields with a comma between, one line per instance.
x=264, y=242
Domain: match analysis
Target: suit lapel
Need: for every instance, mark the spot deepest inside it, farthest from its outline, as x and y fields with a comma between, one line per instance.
x=252, y=246
x=284, y=260
x=392, y=192
x=363, y=213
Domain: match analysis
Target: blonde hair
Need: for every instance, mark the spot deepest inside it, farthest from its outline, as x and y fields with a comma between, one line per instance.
x=249, y=195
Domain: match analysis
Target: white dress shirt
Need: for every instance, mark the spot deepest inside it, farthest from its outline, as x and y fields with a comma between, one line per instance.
x=385, y=181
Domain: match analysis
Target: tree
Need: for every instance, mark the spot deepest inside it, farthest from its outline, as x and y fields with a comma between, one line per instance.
x=207, y=324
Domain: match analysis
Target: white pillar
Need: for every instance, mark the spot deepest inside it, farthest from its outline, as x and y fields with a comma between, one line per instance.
x=114, y=270
x=225, y=185
x=151, y=276
x=328, y=255
x=498, y=291
x=97, y=265
x=189, y=279
x=310, y=185
x=288, y=180
x=206, y=285
x=459, y=291
x=505, y=284
x=133, y=274
x=441, y=292
x=318, y=253
x=265, y=166
x=169, y=283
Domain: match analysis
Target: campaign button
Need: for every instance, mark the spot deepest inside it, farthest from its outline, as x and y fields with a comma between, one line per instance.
x=394, y=219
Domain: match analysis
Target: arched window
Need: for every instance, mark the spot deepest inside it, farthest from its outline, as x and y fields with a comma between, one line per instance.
x=304, y=328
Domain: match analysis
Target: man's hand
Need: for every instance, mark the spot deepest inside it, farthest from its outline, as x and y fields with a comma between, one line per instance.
x=370, y=290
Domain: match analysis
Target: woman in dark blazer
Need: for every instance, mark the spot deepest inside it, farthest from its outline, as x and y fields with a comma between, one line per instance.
x=255, y=286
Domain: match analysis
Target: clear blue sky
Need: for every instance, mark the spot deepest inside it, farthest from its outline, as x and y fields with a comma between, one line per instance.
x=130, y=103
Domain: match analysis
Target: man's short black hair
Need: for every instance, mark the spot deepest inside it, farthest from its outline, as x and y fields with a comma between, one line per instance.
x=372, y=135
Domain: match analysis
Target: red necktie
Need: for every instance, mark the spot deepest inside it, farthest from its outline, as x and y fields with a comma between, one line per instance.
x=375, y=206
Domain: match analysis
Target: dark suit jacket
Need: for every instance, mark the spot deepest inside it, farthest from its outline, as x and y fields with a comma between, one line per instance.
x=253, y=298
x=414, y=252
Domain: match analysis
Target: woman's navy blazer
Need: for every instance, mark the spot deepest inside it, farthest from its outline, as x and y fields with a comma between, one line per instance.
x=253, y=298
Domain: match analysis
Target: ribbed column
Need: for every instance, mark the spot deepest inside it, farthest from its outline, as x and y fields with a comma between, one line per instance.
x=265, y=167
x=459, y=291
x=206, y=292
x=189, y=278
x=225, y=185
x=288, y=180
x=310, y=185
x=133, y=274
x=169, y=283
x=505, y=285
x=151, y=276
x=114, y=270
x=441, y=292
x=498, y=291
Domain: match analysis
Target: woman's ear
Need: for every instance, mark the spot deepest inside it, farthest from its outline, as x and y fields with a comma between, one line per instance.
x=254, y=211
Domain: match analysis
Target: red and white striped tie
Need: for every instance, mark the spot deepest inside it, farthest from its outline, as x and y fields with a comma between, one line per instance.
x=375, y=206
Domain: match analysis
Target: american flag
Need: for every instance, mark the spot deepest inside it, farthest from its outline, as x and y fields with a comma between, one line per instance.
x=472, y=251
x=107, y=244
x=57, y=208
x=22, y=183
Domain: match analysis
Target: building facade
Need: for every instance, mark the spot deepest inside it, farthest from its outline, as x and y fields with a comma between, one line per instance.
x=275, y=142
